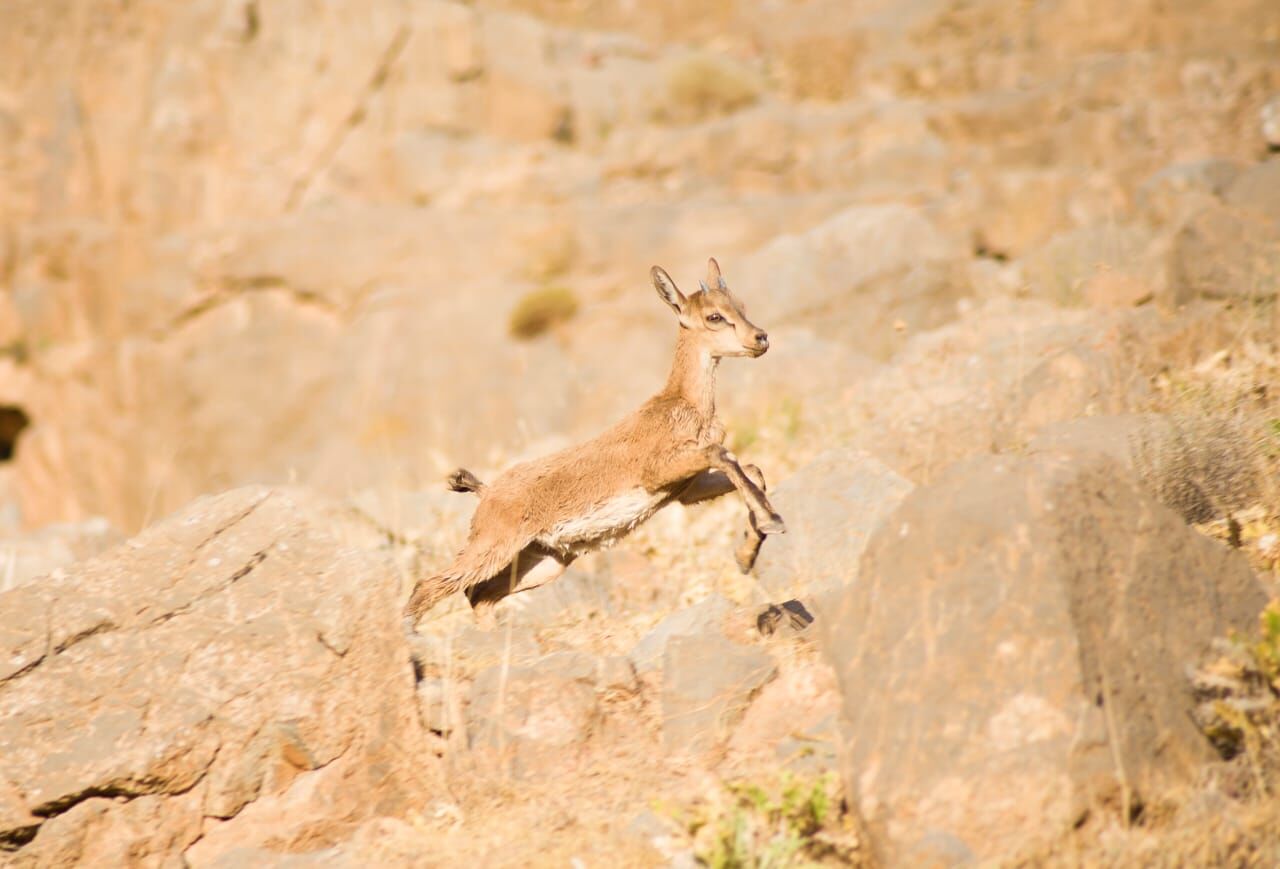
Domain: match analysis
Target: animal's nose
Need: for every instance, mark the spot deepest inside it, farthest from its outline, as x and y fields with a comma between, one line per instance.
x=762, y=340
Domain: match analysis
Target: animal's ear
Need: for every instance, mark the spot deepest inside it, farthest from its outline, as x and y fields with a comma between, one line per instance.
x=668, y=291
x=713, y=274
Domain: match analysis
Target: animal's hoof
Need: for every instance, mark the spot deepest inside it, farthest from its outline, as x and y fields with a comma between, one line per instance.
x=772, y=525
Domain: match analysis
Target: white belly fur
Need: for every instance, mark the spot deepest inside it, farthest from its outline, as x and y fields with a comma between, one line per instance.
x=606, y=523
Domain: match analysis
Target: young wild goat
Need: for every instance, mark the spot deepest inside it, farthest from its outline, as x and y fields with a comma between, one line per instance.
x=537, y=517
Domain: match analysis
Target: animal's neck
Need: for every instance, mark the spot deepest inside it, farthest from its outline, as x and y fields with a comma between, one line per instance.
x=693, y=375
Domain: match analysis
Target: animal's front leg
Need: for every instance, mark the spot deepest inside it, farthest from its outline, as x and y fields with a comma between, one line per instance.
x=715, y=433
x=749, y=549
x=714, y=484
x=765, y=519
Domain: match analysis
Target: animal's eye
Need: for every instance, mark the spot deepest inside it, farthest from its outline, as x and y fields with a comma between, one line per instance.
x=715, y=318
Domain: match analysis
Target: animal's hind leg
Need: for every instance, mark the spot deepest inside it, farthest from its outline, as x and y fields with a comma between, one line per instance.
x=474, y=565
x=704, y=487
x=429, y=592
x=534, y=566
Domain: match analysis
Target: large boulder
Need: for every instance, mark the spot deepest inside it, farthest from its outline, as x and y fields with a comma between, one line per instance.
x=705, y=618
x=1014, y=651
x=27, y=557
x=1202, y=467
x=857, y=275
x=832, y=505
x=990, y=381
x=1062, y=268
x=528, y=717
x=1231, y=249
x=707, y=683
x=236, y=674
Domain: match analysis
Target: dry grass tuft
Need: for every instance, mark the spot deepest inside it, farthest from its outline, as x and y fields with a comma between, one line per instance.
x=1219, y=460
x=703, y=85
x=540, y=310
x=1202, y=467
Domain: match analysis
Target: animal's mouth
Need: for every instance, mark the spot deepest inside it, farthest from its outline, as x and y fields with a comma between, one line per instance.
x=756, y=352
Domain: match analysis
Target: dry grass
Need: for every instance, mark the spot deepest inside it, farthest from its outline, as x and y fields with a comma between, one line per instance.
x=541, y=310
x=1204, y=467
x=703, y=85
x=1220, y=465
x=1231, y=817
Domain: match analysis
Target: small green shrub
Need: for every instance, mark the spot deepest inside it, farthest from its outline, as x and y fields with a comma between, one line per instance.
x=541, y=310
x=787, y=822
x=1239, y=697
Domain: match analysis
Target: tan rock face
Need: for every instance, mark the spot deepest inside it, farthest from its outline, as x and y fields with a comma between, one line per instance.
x=241, y=652
x=259, y=245
x=832, y=505
x=267, y=242
x=1013, y=650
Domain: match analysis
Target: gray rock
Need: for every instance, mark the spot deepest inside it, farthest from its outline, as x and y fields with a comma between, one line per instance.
x=1021, y=627
x=831, y=506
x=813, y=751
x=470, y=649
x=1176, y=192
x=939, y=849
x=1117, y=436
x=706, y=685
x=249, y=640
x=1227, y=252
x=26, y=557
x=701, y=618
x=884, y=262
x=439, y=704
x=572, y=596
x=1201, y=467
x=1257, y=189
x=1061, y=266
x=1074, y=382
x=529, y=716
x=665, y=837
x=959, y=391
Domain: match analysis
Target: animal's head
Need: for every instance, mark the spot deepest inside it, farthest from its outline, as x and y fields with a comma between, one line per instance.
x=716, y=317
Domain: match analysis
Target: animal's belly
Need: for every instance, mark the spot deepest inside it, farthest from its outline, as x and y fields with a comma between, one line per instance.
x=605, y=523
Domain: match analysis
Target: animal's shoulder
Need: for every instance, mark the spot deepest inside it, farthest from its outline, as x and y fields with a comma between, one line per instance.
x=671, y=414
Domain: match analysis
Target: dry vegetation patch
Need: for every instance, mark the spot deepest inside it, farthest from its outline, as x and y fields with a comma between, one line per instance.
x=703, y=85
x=541, y=310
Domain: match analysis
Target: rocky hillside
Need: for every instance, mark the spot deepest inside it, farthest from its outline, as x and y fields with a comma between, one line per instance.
x=268, y=270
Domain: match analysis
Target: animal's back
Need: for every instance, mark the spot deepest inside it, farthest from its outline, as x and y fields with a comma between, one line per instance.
x=583, y=496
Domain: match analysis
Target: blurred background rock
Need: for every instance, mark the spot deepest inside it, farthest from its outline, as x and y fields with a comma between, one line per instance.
x=353, y=245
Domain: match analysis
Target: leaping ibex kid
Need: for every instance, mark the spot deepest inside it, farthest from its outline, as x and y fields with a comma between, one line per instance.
x=538, y=516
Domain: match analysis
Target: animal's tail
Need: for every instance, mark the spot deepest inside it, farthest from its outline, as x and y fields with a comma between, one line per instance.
x=463, y=480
